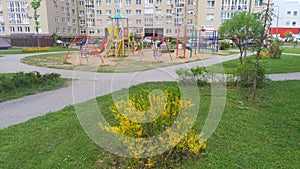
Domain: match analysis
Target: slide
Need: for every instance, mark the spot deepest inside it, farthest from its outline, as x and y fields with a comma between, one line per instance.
x=120, y=47
x=102, y=46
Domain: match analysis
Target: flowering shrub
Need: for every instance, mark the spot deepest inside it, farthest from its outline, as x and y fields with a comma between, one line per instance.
x=36, y=49
x=264, y=55
x=149, y=114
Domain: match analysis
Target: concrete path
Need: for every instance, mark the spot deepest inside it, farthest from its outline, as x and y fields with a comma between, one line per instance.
x=89, y=85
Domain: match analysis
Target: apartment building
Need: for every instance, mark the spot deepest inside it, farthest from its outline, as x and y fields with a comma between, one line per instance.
x=171, y=18
x=60, y=16
x=287, y=17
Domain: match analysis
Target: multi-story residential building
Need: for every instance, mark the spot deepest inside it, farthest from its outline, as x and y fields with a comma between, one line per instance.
x=70, y=18
x=287, y=17
x=60, y=16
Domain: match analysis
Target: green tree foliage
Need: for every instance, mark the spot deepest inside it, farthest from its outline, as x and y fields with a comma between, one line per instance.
x=35, y=5
x=241, y=27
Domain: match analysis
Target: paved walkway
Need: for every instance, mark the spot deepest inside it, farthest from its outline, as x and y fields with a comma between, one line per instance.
x=88, y=86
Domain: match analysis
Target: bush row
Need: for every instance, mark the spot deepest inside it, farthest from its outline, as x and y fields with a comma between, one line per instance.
x=243, y=75
x=36, y=49
x=9, y=84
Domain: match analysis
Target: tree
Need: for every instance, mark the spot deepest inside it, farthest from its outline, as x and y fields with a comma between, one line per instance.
x=266, y=18
x=241, y=27
x=35, y=5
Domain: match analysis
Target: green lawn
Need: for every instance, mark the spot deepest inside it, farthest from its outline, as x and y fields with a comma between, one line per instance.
x=17, y=50
x=15, y=85
x=292, y=50
x=259, y=134
x=286, y=64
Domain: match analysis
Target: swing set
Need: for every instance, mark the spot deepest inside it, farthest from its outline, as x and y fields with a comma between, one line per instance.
x=85, y=49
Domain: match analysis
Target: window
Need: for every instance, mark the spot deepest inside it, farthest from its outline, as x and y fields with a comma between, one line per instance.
x=82, y=31
x=74, y=30
x=128, y=12
x=82, y=22
x=210, y=17
x=169, y=11
x=295, y=13
x=189, y=21
x=56, y=19
x=108, y=21
x=81, y=3
x=56, y=8
x=169, y=21
x=91, y=31
x=98, y=12
x=288, y=12
x=2, y=29
x=190, y=12
x=20, y=29
x=158, y=11
x=128, y=2
x=168, y=31
x=210, y=4
x=81, y=13
x=138, y=12
x=158, y=2
x=98, y=2
x=99, y=31
x=138, y=21
x=63, y=20
x=108, y=2
x=108, y=12
x=138, y=2
x=287, y=23
x=74, y=21
x=158, y=21
x=99, y=21
x=62, y=9
x=64, y=30
x=57, y=30
x=12, y=29
x=258, y=3
x=294, y=23
x=191, y=2
x=169, y=2
x=69, y=30
x=27, y=29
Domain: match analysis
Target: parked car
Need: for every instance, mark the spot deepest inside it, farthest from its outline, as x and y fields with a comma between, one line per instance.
x=61, y=43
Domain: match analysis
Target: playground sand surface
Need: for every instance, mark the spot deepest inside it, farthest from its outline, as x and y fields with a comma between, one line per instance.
x=132, y=62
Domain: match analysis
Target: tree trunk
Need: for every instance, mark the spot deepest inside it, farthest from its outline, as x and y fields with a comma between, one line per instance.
x=264, y=34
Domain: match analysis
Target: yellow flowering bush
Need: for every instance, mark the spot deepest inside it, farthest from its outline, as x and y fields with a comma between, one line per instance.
x=265, y=55
x=150, y=114
x=36, y=49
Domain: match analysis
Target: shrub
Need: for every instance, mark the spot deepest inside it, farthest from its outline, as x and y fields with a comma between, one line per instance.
x=275, y=49
x=36, y=49
x=25, y=80
x=245, y=75
x=138, y=108
x=224, y=45
x=198, y=74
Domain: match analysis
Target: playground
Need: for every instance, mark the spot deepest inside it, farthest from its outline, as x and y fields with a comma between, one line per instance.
x=124, y=44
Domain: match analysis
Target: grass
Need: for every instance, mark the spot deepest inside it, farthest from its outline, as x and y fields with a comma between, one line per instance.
x=17, y=50
x=259, y=134
x=10, y=92
x=292, y=50
x=286, y=64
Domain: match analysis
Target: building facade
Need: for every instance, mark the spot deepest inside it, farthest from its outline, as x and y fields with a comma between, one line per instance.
x=287, y=17
x=69, y=18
